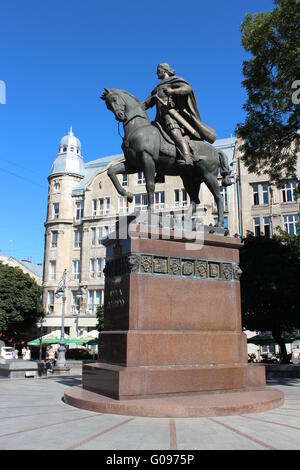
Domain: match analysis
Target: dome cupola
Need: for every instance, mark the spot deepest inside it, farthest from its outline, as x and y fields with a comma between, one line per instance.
x=69, y=159
x=70, y=143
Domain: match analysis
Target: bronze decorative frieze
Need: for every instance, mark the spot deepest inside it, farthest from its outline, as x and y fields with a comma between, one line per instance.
x=162, y=265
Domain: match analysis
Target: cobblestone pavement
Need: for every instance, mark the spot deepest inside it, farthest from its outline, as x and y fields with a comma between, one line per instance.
x=33, y=416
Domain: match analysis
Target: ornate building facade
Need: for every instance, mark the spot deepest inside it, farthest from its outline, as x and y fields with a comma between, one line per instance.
x=82, y=208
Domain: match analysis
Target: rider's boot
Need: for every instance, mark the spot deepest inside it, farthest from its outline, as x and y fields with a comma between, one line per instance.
x=185, y=159
x=185, y=156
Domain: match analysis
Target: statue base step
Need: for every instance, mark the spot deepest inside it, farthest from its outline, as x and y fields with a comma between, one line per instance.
x=127, y=383
x=187, y=406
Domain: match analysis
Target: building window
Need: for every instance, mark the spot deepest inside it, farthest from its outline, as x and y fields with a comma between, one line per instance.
x=256, y=226
x=122, y=205
x=54, y=236
x=95, y=298
x=77, y=238
x=99, y=267
x=79, y=210
x=223, y=192
x=76, y=269
x=159, y=200
x=102, y=233
x=52, y=270
x=75, y=305
x=184, y=197
x=96, y=267
x=267, y=227
x=92, y=268
x=265, y=193
x=141, y=178
x=55, y=210
x=124, y=180
x=255, y=195
x=56, y=186
x=290, y=223
x=141, y=202
x=107, y=205
x=288, y=192
x=65, y=148
x=50, y=303
x=176, y=198
x=101, y=205
x=93, y=236
x=94, y=207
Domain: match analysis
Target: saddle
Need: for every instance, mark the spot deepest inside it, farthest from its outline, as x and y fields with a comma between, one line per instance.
x=199, y=148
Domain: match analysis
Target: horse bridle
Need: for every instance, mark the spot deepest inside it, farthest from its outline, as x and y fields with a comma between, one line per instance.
x=128, y=117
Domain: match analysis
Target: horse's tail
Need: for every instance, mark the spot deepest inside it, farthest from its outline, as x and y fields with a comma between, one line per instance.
x=224, y=168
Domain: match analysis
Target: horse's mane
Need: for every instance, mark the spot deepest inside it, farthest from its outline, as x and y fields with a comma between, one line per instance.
x=116, y=90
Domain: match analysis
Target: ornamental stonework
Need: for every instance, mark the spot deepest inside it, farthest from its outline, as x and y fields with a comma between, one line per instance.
x=202, y=269
x=160, y=265
x=226, y=271
x=237, y=272
x=187, y=268
x=150, y=264
x=214, y=270
x=175, y=266
x=133, y=262
x=146, y=264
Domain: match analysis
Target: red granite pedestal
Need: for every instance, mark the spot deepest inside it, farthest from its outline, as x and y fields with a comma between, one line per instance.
x=173, y=342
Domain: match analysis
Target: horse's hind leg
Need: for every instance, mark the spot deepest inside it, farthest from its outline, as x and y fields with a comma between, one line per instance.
x=212, y=183
x=192, y=187
x=149, y=172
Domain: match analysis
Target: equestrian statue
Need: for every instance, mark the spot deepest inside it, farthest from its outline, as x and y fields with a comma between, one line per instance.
x=177, y=143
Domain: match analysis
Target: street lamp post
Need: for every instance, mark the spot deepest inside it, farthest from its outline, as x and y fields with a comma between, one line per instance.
x=61, y=292
x=41, y=337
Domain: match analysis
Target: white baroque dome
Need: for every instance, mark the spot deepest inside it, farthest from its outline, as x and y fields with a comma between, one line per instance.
x=69, y=159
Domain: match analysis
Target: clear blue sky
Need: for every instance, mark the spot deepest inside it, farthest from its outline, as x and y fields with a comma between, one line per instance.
x=56, y=58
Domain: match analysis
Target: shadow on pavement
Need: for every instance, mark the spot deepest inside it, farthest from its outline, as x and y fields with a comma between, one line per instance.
x=69, y=381
x=288, y=381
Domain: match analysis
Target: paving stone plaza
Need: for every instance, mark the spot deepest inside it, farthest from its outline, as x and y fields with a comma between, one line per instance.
x=33, y=416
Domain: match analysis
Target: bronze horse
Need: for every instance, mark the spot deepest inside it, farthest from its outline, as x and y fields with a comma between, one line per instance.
x=145, y=149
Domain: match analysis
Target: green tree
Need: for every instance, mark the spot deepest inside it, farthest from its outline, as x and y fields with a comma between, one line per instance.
x=293, y=241
x=270, y=132
x=100, y=318
x=20, y=306
x=270, y=287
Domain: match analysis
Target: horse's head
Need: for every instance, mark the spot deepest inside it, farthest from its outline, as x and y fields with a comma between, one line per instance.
x=121, y=103
x=115, y=103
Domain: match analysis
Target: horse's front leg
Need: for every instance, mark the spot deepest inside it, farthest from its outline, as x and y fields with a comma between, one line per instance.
x=149, y=172
x=112, y=172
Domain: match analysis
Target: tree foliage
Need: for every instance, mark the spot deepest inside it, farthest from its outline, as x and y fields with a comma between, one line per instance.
x=100, y=318
x=270, y=287
x=270, y=133
x=20, y=306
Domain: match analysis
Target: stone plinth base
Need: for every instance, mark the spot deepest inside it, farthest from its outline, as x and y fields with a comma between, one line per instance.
x=191, y=406
x=18, y=369
x=172, y=343
x=127, y=383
